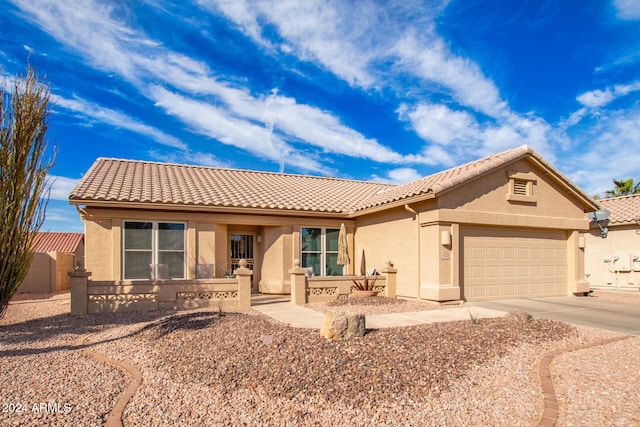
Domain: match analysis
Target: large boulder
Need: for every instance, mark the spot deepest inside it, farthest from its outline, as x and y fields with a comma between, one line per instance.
x=343, y=325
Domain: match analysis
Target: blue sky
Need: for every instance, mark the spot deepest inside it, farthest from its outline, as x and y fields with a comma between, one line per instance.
x=373, y=90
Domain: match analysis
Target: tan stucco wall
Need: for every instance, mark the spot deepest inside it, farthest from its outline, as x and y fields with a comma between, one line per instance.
x=98, y=246
x=410, y=236
x=276, y=244
x=484, y=202
x=429, y=269
x=64, y=264
x=48, y=273
x=41, y=275
x=390, y=235
x=622, y=242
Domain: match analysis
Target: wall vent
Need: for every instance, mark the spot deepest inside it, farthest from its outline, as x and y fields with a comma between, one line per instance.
x=520, y=187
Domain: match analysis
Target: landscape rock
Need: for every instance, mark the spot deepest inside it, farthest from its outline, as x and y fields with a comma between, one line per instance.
x=518, y=315
x=343, y=325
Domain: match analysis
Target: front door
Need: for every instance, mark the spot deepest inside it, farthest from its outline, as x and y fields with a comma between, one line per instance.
x=241, y=248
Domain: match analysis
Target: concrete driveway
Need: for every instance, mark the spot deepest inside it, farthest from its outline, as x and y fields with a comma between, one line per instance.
x=586, y=311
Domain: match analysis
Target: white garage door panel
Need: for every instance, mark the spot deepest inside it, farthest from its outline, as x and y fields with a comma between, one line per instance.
x=513, y=263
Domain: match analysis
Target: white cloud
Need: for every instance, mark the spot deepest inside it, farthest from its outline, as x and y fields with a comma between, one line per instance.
x=217, y=123
x=606, y=150
x=321, y=129
x=452, y=134
x=116, y=119
x=600, y=98
x=189, y=157
x=61, y=187
x=353, y=43
x=62, y=217
x=398, y=176
x=138, y=59
x=440, y=124
x=429, y=58
x=329, y=33
x=627, y=9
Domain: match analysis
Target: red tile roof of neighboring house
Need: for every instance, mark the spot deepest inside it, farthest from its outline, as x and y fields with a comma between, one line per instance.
x=49, y=241
x=624, y=209
x=117, y=180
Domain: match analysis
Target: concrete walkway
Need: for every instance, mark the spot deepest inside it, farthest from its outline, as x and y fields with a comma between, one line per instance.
x=301, y=317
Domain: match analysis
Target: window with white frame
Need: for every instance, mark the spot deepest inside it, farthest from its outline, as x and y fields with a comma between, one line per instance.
x=146, y=243
x=319, y=249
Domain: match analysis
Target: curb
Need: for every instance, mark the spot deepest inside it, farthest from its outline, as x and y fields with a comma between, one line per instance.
x=550, y=413
x=114, y=417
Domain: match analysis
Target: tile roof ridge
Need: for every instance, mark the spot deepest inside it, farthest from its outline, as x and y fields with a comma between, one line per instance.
x=624, y=196
x=226, y=168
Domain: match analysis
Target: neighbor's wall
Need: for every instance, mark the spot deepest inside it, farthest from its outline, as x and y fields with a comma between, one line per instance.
x=601, y=267
x=48, y=273
x=41, y=275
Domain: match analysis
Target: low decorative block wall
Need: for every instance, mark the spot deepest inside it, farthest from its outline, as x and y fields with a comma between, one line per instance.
x=89, y=296
x=329, y=288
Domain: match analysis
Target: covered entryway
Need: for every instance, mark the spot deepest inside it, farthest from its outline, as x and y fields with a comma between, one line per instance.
x=513, y=263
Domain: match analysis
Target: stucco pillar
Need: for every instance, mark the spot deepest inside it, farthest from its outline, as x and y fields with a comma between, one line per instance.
x=79, y=280
x=576, y=282
x=298, y=283
x=390, y=273
x=440, y=259
x=244, y=284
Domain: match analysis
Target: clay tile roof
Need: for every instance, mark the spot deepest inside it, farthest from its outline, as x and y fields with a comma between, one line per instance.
x=443, y=181
x=56, y=242
x=624, y=209
x=117, y=180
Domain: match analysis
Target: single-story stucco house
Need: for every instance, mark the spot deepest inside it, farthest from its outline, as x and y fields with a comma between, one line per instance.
x=507, y=225
x=612, y=250
x=54, y=255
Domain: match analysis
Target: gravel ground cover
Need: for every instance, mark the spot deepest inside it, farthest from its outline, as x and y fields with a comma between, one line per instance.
x=247, y=369
x=378, y=305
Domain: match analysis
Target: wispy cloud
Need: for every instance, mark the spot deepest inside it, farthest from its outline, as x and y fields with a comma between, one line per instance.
x=600, y=98
x=372, y=47
x=398, y=176
x=61, y=187
x=627, y=9
x=215, y=122
x=453, y=134
x=190, y=157
x=608, y=150
x=257, y=124
x=96, y=113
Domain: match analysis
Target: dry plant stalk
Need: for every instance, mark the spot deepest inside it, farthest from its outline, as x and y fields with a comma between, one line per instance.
x=24, y=188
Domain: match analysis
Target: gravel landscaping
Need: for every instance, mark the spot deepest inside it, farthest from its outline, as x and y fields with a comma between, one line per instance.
x=246, y=369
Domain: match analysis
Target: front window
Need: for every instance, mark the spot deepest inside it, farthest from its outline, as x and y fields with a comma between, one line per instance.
x=148, y=243
x=320, y=251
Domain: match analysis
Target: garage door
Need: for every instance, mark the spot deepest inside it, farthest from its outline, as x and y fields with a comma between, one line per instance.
x=506, y=263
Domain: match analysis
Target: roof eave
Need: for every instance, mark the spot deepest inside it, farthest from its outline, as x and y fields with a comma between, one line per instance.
x=113, y=204
x=587, y=200
x=392, y=205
